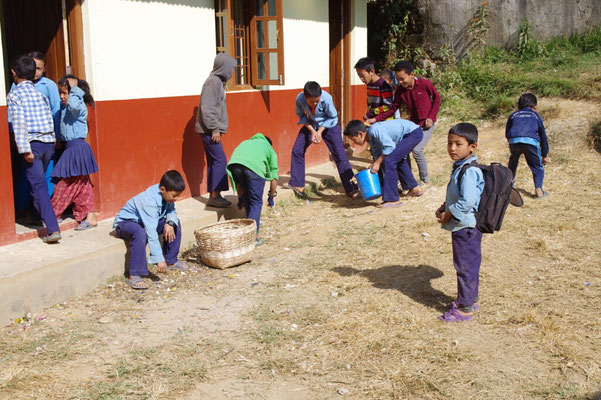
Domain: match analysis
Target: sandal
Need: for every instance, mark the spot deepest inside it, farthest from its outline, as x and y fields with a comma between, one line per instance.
x=84, y=225
x=455, y=306
x=297, y=192
x=180, y=266
x=136, y=282
x=453, y=315
x=259, y=242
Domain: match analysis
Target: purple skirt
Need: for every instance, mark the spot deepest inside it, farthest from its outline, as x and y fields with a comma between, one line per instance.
x=76, y=160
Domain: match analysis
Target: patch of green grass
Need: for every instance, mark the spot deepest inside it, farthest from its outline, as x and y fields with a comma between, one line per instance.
x=488, y=83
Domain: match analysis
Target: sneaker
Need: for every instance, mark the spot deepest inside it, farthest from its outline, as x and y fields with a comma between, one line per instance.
x=219, y=202
x=54, y=237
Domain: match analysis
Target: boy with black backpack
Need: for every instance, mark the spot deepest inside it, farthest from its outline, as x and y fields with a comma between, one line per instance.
x=458, y=215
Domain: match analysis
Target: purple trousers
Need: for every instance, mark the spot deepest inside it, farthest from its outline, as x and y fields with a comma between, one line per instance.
x=136, y=235
x=333, y=140
x=36, y=175
x=395, y=167
x=216, y=163
x=467, y=256
x=252, y=186
x=533, y=159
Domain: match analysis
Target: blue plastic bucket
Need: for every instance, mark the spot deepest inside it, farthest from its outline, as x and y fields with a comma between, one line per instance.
x=369, y=184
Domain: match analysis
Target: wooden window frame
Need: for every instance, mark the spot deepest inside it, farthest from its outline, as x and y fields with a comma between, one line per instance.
x=248, y=35
x=255, y=51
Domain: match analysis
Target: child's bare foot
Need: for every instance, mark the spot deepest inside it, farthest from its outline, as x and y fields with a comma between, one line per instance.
x=539, y=193
x=91, y=218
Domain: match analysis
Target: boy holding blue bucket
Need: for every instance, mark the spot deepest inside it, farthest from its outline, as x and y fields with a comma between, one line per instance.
x=390, y=143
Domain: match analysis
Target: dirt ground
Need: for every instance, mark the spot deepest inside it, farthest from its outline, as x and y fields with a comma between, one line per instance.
x=342, y=302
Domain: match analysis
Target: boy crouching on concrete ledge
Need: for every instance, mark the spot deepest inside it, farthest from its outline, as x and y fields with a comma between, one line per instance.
x=390, y=143
x=143, y=218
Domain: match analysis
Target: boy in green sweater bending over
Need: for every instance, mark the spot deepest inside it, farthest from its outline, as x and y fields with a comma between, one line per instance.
x=252, y=163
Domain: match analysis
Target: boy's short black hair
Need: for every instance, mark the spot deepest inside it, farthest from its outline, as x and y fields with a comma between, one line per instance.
x=312, y=89
x=354, y=127
x=268, y=139
x=24, y=67
x=173, y=181
x=37, y=55
x=404, y=66
x=527, y=100
x=466, y=130
x=386, y=73
x=366, y=64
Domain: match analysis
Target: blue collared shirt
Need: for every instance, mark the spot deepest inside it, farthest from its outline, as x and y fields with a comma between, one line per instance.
x=325, y=112
x=50, y=90
x=30, y=114
x=74, y=117
x=384, y=136
x=146, y=209
x=462, y=202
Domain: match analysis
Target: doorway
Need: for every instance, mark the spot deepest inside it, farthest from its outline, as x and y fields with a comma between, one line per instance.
x=340, y=57
x=55, y=28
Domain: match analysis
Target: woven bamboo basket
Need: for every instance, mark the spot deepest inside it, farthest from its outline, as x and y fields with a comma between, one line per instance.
x=227, y=244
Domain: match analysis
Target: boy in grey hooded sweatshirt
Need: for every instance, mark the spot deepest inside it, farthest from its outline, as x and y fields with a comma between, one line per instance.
x=211, y=123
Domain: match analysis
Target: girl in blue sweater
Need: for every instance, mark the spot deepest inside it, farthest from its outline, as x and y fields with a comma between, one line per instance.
x=77, y=162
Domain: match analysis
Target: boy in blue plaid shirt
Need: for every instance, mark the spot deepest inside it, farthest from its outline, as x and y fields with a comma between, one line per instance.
x=33, y=126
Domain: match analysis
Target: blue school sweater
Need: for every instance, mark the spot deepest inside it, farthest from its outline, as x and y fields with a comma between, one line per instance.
x=74, y=117
x=462, y=201
x=384, y=136
x=526, y=126
x=146, y=209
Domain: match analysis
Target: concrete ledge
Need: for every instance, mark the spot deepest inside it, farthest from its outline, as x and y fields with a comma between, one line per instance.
x=34, y=275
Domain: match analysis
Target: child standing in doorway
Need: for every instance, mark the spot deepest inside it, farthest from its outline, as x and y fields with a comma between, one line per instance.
x=526, y=134
x=457, y=214
x=33, y=127
x=212, y=123
x=319, y=119
x=77, y=162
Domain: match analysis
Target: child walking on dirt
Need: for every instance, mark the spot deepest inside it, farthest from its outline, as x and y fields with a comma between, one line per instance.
x=146, y=216
x=390, y=143
x=253, y=163
x=319, y=119
x=77, y=162
x=526, y=134
x=212, y=123
x=457, y=214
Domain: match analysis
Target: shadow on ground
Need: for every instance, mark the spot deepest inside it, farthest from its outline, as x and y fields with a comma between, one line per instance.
x=413, y=281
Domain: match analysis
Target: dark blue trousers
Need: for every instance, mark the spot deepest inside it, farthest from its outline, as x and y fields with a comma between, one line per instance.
x=395, y=167
x=36, y=175
x=467, y=257
x=533, y=159
x=252, y=186
x=136, y=235
x=216, y=163
x=333, y=140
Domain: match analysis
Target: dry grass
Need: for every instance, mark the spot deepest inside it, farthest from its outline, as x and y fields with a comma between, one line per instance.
x=344, y=296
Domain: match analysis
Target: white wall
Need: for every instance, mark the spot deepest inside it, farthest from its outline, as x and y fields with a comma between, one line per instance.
x=144, y=48
x=306, y=43
x=358, y=36
x=141, y=49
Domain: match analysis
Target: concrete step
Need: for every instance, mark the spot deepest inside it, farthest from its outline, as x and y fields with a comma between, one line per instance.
x=34, y=275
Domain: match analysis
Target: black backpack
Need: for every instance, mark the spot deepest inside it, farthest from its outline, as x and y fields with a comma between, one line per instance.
x=496, y=195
